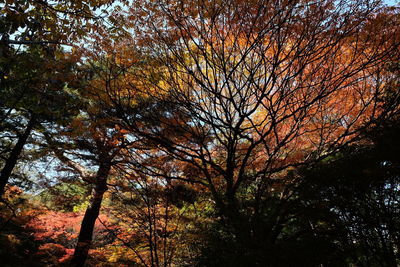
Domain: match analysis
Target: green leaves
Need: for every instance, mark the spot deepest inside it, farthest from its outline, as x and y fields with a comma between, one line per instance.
x=66, y=196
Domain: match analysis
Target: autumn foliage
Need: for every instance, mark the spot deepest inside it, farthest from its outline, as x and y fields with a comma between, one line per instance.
x=199, y=133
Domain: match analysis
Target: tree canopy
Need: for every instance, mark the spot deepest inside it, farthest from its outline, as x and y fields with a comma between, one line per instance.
x=199, y=133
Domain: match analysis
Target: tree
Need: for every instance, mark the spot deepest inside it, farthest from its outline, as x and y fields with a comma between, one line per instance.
x=221, y=132
x=100, y=145
x=149, y=215
x=244, y=91
x=96, y=144
x=34, y=67
x=31, y=22
x=353, y=200
x=32, y=98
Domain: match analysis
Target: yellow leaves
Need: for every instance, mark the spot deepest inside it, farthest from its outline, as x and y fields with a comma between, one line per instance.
x=12, y=193
x=115, y=256
x=13, y=240
x=81, y=207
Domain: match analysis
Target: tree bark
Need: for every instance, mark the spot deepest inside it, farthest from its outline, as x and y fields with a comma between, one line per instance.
x=90, y=217
x=14, y=155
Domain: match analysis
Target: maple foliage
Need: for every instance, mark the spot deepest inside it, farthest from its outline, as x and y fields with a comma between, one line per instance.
x=58, y=231
x=205, y=133
x=242, y=98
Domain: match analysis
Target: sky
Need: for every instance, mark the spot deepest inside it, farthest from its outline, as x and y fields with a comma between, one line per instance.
x=391, y=2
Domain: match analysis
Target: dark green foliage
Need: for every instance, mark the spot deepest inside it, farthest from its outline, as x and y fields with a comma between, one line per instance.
x=354, y=196
x=66, y=196
x=179, y=194
x=344, y=212
x=17, y=245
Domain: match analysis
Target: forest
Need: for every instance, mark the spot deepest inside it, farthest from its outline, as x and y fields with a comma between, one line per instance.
x=171, y=133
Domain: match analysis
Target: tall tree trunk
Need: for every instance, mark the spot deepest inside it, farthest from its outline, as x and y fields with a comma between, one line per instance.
x=14, y=155
x=91, y=214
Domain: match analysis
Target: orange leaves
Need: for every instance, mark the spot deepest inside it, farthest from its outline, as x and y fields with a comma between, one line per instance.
x=270, y=83
x=221, y=94
x=57, y=226
x=12, y=192
x=57, y=232
x=54, y=251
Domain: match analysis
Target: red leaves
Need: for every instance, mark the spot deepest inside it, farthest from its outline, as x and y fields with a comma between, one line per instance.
x=56, y=226
x=58, y=231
